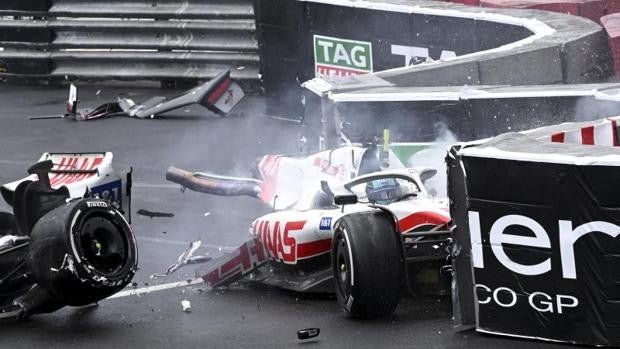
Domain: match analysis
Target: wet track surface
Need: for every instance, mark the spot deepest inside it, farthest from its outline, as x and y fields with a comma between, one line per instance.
x=242, y=317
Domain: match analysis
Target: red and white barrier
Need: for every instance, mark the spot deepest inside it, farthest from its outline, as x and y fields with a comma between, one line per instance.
x=599, y=133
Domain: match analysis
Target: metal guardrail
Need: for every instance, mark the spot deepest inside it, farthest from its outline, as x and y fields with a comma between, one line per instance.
x=114, y=39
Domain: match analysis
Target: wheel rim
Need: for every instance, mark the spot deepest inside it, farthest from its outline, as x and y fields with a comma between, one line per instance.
x=103, y=245
x=342, y=269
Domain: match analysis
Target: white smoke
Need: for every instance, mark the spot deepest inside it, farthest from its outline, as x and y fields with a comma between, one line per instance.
x=588, y=109
x=434, y=157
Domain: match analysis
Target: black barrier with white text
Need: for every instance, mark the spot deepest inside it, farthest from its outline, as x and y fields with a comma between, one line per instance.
x=343, y=38
x=539, y=226
x=309, y=39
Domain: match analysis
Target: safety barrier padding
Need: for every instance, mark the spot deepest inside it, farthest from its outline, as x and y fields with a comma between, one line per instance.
x=537, y=240
x=470, y=112
x=499, y=69
x=452, y=73
x=591, y=9
x=428, y=43
x=612, y=26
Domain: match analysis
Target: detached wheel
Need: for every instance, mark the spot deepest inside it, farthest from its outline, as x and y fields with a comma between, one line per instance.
x=367, y=265
x=82, y=252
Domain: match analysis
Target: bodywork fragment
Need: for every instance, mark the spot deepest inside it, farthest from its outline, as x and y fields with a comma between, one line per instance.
x=220, y=95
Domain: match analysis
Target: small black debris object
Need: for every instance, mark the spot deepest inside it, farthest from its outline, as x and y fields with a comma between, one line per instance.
x=152, y=214
x=308, y=333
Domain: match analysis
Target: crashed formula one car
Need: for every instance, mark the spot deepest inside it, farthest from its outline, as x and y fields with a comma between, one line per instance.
x=343, y=221
x=68, y=241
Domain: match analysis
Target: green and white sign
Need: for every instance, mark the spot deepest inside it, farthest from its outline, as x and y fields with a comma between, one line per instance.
x=341, y=57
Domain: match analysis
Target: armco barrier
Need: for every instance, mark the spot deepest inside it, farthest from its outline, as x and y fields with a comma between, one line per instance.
x=115, y=39
x=476, y=46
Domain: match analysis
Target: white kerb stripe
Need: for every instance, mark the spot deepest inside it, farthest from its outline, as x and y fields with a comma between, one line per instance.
x=603, y=134
x=155, y=288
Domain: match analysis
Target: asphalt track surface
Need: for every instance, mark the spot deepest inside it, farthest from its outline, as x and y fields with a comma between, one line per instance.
x=241, y=317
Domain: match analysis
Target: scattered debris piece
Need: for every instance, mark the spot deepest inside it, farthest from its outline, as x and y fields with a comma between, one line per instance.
x=187, y=257
x=219, y=95
x=207, y=214
x=187, y=306
x=308, y=333
x=151, y=214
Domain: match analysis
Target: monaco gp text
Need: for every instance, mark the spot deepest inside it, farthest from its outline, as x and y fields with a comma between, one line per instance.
x=567, y=234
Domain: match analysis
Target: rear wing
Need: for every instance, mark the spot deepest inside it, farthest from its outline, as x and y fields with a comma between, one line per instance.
x=72, y=102
x=84, y=175
x=220, y=95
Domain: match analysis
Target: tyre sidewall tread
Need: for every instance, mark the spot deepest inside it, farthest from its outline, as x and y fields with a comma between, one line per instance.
x=377, y=264
x=51, y=242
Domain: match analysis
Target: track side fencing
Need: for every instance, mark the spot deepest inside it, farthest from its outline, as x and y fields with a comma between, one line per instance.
x=167, y=40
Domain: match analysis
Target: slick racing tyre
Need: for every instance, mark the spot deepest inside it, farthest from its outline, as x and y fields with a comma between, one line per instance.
x=367, y=265
x=8, y=225
x=82, y=252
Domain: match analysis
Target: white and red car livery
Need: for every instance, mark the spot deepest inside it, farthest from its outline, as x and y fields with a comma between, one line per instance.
x=293, y=235
x=296, y=180
x=83, y=174
x=295, y=241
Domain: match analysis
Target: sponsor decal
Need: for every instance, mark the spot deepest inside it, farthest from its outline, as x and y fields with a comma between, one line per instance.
x=280, y=245
x=58, y=179
x=97, y=204
x=536, y=238
x=112, y=191
x=277, y=239
x=331, y=170
x=539, y=301
x=326, y=223
x=415, y=55
x=235, y=264
x=568, y=236
x=226, y=96
x=341, y=57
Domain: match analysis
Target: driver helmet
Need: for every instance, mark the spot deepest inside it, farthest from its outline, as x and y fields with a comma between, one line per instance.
x=383, y=191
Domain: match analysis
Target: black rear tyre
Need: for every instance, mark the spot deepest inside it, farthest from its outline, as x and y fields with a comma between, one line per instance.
x=82, y=252
x=367, y=264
